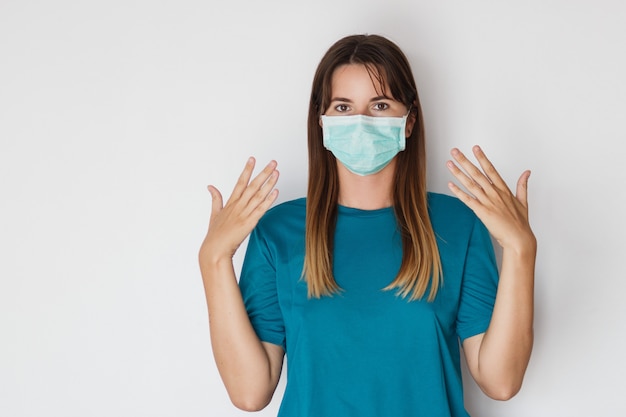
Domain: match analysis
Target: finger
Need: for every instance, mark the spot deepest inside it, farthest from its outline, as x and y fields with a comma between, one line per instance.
x=216, y=200
x=260, y=196
x=467, y=199
x=244, y=179
x=268, y=186
x=522, y=188
x=256, y=184
x=266, y=203
x=490, y=171
x=469, y=183
x=472, y=172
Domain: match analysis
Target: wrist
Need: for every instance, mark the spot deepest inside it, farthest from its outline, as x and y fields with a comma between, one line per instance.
x=524, y=246
x=213, y=260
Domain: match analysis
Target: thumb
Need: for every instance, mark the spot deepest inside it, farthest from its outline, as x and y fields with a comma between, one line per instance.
x=217, y=203
x=522, y=188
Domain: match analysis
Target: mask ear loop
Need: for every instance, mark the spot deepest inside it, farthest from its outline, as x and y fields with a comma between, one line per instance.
x=407, y=118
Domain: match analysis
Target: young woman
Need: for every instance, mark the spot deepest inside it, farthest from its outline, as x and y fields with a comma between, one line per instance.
x=369, y=283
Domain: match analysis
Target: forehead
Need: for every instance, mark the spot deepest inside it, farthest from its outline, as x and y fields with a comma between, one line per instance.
x=360, y=80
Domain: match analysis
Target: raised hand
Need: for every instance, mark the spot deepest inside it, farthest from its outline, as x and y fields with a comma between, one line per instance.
x=505, y=215
x=231, y=223
x=249, y=368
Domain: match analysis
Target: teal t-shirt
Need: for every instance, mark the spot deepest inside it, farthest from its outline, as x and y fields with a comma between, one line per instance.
x=367, y=352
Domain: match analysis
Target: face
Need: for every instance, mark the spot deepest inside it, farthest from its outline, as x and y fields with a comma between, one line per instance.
x=353, y=91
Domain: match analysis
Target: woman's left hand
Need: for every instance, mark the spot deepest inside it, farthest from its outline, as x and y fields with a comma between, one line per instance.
x=505, y=215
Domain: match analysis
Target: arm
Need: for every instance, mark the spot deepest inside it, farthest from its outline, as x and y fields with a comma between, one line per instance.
x=249, y=368
x=497, y=359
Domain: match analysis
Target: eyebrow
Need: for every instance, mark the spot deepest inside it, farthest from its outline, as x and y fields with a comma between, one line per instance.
x=347, y=100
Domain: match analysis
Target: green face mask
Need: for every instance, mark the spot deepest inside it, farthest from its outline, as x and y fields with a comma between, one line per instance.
x=364, y=144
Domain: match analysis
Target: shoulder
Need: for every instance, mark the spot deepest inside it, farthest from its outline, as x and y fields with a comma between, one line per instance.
x=281, y=230
x=289, y=213
x=449, y=214
x=446, y=205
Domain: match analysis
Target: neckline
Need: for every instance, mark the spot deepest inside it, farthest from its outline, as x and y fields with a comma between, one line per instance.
x=357, y=212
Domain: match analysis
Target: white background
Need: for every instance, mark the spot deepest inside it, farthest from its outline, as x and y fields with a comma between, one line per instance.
x=114, y=116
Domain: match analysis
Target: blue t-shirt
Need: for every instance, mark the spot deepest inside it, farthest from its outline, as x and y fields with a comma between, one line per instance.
x=367, y=352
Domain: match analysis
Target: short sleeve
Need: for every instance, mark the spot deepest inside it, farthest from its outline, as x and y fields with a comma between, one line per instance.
x=479, y=285
x=259, y=291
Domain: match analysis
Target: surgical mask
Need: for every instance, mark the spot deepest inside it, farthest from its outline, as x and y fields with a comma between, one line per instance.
x=364, y=144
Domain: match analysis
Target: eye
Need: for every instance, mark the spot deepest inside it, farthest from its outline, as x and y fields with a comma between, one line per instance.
x=342, y=108
x=381, y=106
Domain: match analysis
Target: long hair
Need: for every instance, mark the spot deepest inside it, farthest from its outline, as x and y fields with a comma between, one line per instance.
x=420, y=269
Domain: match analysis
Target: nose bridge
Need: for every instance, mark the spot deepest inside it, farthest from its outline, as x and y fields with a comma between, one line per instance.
x=364, y=111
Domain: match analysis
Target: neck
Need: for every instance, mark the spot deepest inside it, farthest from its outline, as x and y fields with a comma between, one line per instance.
x=370, y=192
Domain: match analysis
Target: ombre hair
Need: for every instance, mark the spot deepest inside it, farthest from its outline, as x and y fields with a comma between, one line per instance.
x=420, y=270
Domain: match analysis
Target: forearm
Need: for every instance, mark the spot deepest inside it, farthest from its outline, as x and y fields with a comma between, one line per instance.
x=506, y=346
x=249, y=373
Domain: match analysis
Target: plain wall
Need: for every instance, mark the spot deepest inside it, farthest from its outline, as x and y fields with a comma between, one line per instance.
x=114, y=116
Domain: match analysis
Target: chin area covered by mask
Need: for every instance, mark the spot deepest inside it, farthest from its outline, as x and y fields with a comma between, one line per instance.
x=364, y=144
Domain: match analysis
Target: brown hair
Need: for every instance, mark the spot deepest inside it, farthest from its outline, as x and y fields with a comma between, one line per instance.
x=421, y=266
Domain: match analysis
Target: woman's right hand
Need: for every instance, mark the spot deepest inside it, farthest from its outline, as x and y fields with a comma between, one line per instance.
x=249, y=368
x=230, y=224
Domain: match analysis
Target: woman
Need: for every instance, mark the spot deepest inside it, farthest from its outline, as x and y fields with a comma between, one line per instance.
x=370, y=282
